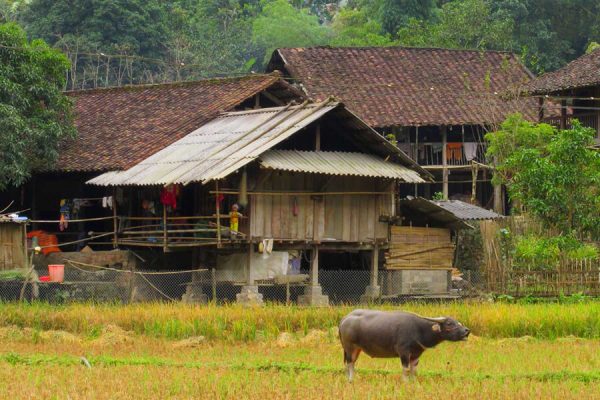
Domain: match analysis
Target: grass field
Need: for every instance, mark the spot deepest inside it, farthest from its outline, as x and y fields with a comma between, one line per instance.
x=153, y=352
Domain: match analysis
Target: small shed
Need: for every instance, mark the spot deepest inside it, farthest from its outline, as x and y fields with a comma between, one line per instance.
x=421, y=251
x=13, y=244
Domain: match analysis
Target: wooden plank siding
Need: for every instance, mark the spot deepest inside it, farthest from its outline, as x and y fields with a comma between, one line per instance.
x=351, y=218
x=12, y=246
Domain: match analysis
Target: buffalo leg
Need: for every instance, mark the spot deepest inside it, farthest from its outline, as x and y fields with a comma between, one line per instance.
x=405, y=360
x=350, y=358
x=413, y=366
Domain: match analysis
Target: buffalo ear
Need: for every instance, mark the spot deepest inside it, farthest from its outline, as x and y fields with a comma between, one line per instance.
x=436, y=328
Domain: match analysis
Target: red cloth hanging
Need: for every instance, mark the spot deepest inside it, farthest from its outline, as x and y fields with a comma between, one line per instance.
x=168, y=196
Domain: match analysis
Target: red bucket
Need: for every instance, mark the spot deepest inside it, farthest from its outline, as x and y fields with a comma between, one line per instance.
x=56, y=272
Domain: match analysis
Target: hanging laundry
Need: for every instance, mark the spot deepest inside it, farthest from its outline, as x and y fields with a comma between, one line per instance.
x=454, y=152
x=107, y=202
x=168, y=196
x=470, y=150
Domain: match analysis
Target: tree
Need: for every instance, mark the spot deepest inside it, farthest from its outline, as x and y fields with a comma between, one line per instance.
x=34, y=113
x=395, y=14
x=281, y=25
x=464, y=24
x=138, y=25
x=352, y=27
x=553, y=174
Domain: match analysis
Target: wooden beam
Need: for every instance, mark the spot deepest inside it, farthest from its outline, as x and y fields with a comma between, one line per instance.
x=563, y=114
x=273, y=98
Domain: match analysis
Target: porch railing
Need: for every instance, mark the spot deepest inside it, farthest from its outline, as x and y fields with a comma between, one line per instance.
x=457, y=154
x=591, y=120
x=179, y=231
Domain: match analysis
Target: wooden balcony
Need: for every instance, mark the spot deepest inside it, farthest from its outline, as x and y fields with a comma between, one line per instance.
x=457, y=154
x=590, y=120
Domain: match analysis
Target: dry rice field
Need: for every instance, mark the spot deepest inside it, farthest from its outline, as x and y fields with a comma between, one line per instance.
x=42, y=362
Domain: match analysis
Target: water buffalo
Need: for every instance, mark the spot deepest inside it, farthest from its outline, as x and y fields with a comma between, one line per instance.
x=383, y=334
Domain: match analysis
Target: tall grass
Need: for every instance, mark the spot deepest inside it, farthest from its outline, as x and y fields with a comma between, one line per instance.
x=237, y=323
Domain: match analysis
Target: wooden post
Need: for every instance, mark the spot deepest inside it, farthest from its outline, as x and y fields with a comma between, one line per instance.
x=416, y=155
x=563, y=114
x=318, y=138
x=375, y=265
x=541, y=109
x=165, y=236
x=218, y=208
x=257, y=101
x=314, y=267
x=34, y=214
x=444, y=162
x=115, y=220
x=250, y=281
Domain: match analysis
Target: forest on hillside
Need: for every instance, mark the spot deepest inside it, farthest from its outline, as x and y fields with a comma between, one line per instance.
x=116, y=42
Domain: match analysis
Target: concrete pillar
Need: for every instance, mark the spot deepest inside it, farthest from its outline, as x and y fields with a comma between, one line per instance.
x=373, y=291
x=313, y=293
x=249, y=294
x=193, y=291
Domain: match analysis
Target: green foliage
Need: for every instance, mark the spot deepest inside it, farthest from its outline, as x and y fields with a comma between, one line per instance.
x=464, y=24
x=34, y=113
x=534, y=252
x=353, y=27
x=438, y=196
x=554, y=174
x=136, y=26
x=282, y=25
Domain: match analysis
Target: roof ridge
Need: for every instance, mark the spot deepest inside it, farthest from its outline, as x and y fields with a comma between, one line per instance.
x=398, y=47
x=272, y=75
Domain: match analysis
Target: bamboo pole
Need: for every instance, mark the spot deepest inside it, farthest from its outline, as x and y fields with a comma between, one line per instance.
x=218, y=210
x=287, y=193
x=165, y=237
x=115, y=220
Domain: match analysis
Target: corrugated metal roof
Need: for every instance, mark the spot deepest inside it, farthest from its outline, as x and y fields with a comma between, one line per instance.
x=452, y=213
x=337, y=163
x=235, y=139
x=220, y=147
x=466, y=211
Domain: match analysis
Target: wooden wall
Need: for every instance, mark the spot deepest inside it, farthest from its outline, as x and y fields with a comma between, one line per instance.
x=12, y=246
x=344, y=218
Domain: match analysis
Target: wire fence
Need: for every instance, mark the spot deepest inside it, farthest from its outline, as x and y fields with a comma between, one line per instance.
x=85, y=283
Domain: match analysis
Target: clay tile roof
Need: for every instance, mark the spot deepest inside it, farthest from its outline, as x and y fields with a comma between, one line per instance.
x=582, y=72
x=399, y=86
x=119, y=127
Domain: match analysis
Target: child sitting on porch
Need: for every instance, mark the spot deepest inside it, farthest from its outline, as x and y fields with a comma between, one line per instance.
x=234, y=219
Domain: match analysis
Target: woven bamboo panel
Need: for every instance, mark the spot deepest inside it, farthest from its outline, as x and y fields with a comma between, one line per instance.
x=417, y=247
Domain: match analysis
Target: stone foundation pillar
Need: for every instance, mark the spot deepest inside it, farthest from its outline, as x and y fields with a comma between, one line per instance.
x=373, y=291
x=249, y=294
x=313, y=293
x=193, y=294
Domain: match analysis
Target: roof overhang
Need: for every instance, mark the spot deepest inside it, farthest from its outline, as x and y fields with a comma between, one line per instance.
x=337, y=163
